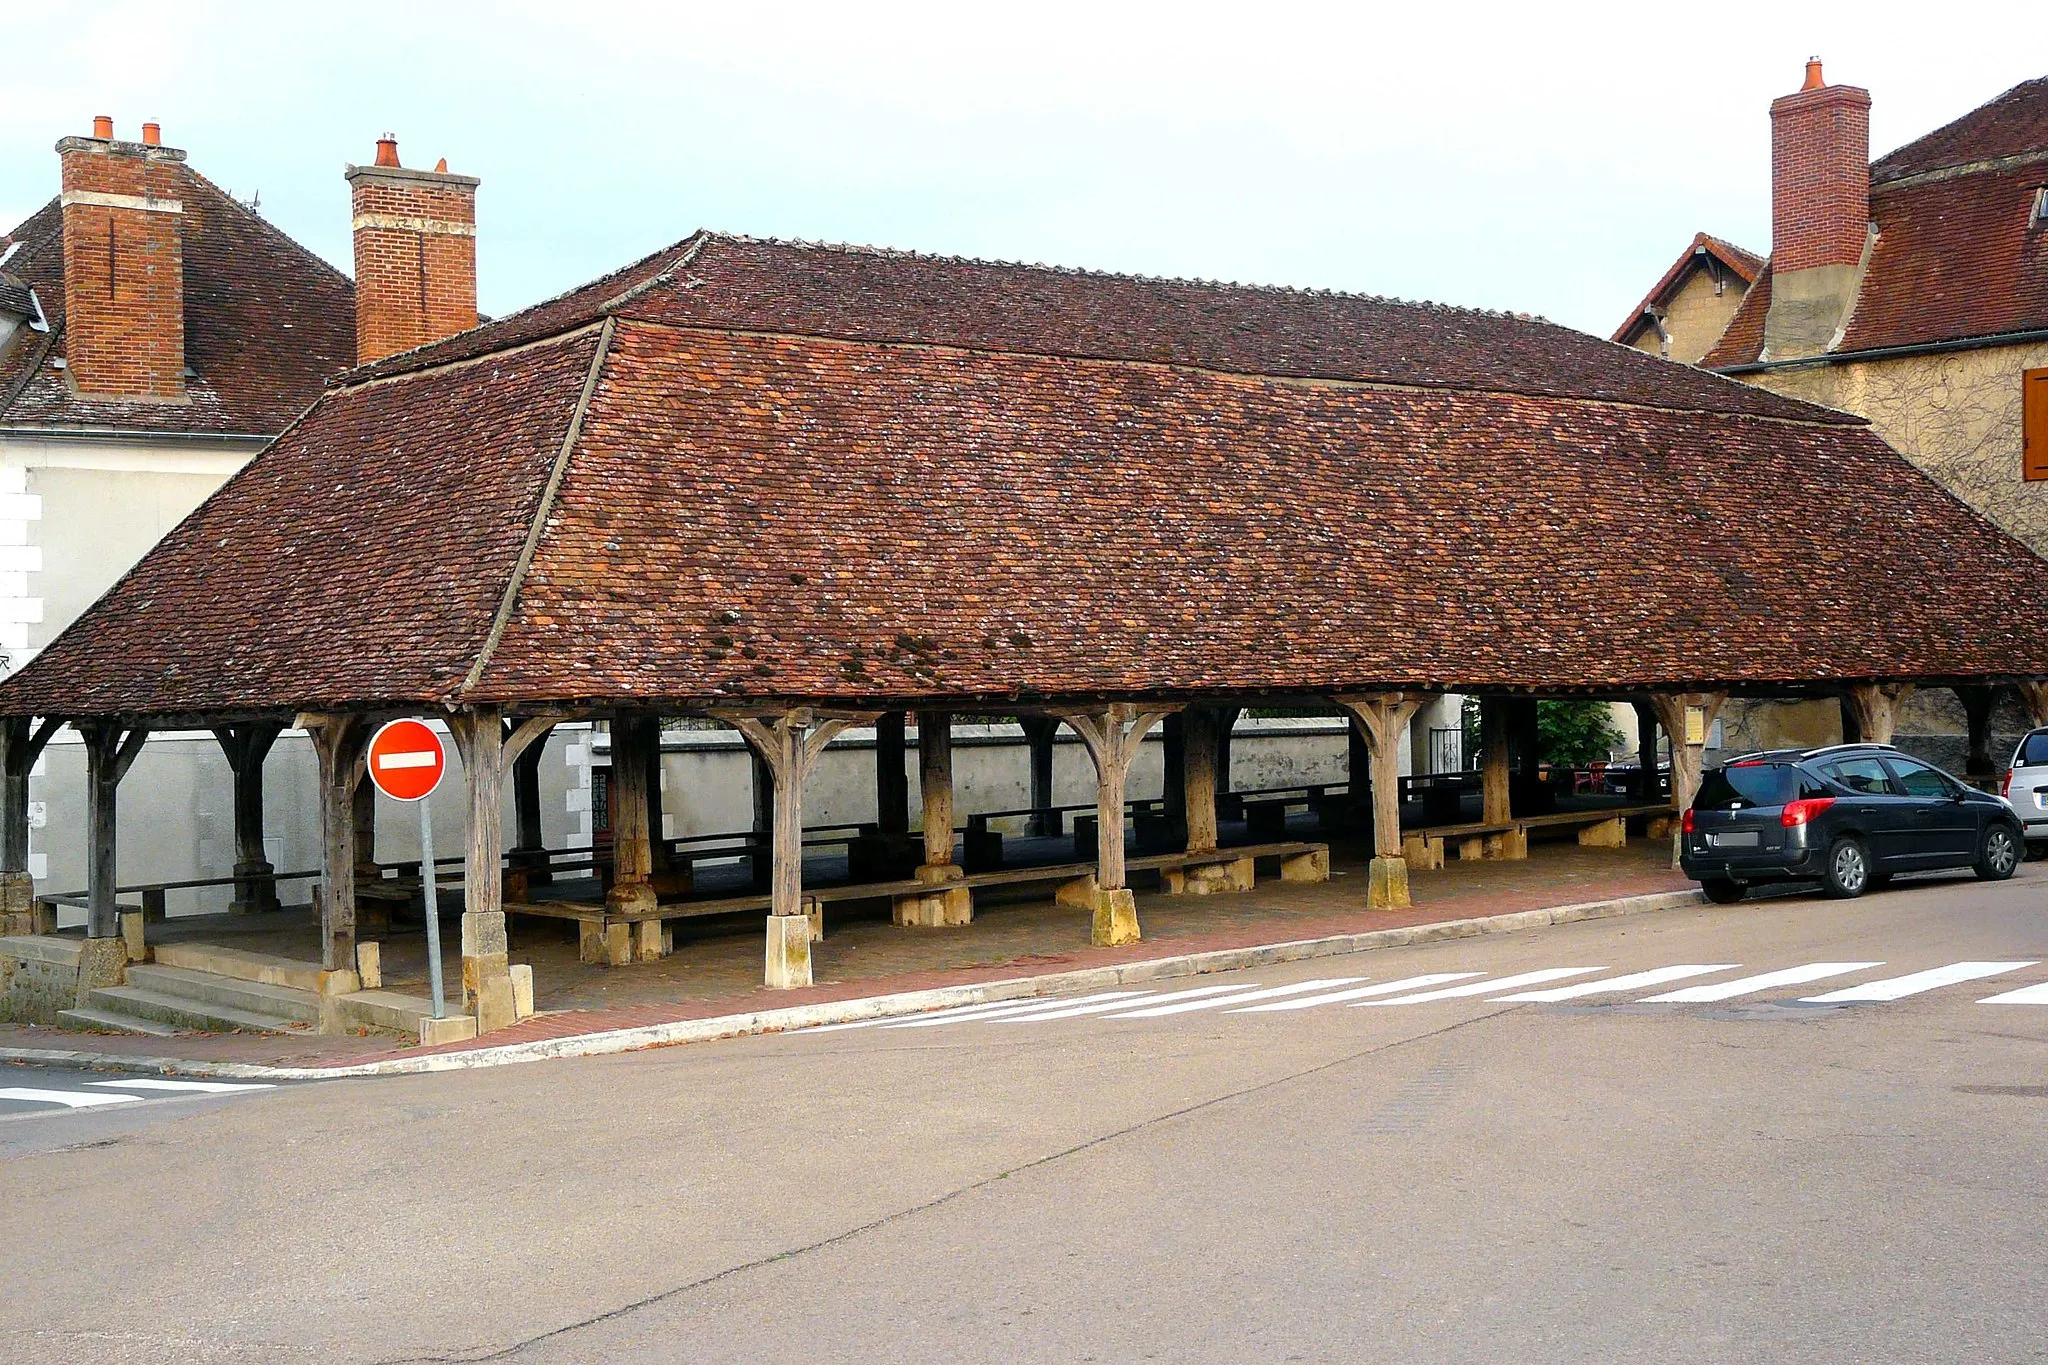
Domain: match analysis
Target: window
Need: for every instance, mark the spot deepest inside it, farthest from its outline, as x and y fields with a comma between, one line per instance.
x=2033, y=751
x=1864, y=776
x=2034, y=423
x=1747, y=784
x=1917, y=779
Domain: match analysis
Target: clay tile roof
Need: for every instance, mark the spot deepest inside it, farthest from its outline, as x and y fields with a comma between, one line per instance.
x=736, y=514
x=1742, y=264
x=2014, y=124
x=1743, y=342
x=266, y=322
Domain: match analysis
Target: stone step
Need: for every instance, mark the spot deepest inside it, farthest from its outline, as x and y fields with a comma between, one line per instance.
x=58, y=952
x=205, y=988
x=111, y=1022
x=186, y=1013
x=241, y=964
x=391, y=1011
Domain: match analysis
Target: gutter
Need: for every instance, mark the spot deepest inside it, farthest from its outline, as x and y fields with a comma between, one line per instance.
x=130, y=435
x=1890, y=352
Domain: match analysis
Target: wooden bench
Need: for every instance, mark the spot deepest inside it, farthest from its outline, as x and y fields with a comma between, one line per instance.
x=610, y=938
x=1605, y=827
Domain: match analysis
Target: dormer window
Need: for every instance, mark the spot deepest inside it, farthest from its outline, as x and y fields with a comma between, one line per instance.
x=2040, y=217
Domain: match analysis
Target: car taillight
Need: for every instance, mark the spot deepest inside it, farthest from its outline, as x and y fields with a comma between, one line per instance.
x=1685, y=822
x=1797, y=813
x=2005, y=783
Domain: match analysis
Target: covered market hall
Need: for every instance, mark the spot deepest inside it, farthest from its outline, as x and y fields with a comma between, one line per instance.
x=793, y=488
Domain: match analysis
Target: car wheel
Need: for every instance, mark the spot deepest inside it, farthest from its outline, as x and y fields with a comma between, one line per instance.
x=1999, y=855
x=1848, y=874
x=1722, y=891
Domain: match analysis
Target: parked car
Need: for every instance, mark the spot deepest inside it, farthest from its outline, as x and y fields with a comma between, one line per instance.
x=1848, y=816
x=2026, y=786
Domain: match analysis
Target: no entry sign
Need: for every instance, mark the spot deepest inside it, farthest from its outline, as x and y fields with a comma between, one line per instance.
x=406, y=760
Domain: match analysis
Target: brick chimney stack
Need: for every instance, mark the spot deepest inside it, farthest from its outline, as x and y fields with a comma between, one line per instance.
x=124, y=266
x=415, y=246
x=1820, y=213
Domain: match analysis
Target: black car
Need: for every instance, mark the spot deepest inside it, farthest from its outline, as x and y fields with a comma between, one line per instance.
x=1848, y=816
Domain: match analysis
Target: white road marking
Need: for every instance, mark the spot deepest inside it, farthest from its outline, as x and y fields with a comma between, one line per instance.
x=1482, y=987
x=411, y=758
x=2025, y=995
x=1898, y=987
x=71, y=1099
x=897, y=1020
x=1635, y=982
x=1750, y=985
x=192, y=1087
x=1406, y=983
x=1077, y=1011
x=1242, y=997
x=1021, y=1007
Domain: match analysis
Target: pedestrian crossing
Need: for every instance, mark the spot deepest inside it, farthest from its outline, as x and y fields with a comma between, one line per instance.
x=63, y=1092
x=1545, y=985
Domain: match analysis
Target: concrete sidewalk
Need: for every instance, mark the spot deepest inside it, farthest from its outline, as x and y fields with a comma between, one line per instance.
x=874, y=969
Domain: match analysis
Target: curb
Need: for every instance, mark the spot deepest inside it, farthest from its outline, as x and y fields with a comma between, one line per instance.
x=878, y=1006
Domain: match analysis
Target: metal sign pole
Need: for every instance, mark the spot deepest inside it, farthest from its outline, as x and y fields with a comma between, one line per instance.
x=428, y=887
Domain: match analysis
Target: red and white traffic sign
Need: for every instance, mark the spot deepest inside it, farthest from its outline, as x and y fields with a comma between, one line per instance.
x=406, y=760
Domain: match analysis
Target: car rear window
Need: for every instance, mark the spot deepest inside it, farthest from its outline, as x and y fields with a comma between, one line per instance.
x=1748, y=784
x=2033, y=751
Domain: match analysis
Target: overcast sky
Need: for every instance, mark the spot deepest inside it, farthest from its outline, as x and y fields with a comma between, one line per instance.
x=1542, y=158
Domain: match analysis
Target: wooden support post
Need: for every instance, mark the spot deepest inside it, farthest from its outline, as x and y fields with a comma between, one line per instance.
x=1496, y=805
x=788, y=744
x=1383, y=717
x=892, y=778
x=955, y=905
x=1646, y=785
x=1687, y=718
x=529, y=848
x=1875, y=708
x=20, y=744
x=1041, y=733
x=110, y=748
x=246, y=746
x=486, y=963
x=1358, y=767
x=1978, y=702
x=1198, y=790
x=1113, y=736
x=1174, y=789
x=1852, y=722
x=2034, y=697
x=764, y=823
x=632, y=890
x=338, y=744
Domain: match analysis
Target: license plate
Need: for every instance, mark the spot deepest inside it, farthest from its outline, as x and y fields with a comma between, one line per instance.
x=1744, y=839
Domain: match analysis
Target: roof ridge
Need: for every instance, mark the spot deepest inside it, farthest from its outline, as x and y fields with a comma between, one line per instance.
x=1878, y=166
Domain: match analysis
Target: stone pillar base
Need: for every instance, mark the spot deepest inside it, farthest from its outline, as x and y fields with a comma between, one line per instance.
x=630, y=898
x=18, y=911
x=1387, y=885
x=486, y=974
x=101, y=962
x=789, y=952
x=255, y=893
x=936, y=909
x=1116, y=919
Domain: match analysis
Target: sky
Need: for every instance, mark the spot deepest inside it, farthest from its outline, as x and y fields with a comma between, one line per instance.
x=1540, y=158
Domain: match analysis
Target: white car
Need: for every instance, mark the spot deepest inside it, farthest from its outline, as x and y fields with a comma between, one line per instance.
x=2026, y=787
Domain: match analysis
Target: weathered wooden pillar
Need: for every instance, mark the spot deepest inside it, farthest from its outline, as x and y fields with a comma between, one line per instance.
x=1645, y=787
x=1875, y=708
x=1041, y=733
x=1112, y=736
x=788, y=744
x=338, y=742
x=1496, y=804
x=363, y=812
x=246, y=746
x=1852, y=722
x=1383, y=717
x=1198, y=785
x=892, y=778
x=529, y=850
x=955, y=905
x=486, y=961
x=110, y=748
x=1978, y=702
x=1687, y=718
x=21, y=742
x=764, y=822
x=632, y=889
x=2034, y=697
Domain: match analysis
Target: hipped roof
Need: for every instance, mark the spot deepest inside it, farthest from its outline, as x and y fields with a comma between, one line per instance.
x=715, y=480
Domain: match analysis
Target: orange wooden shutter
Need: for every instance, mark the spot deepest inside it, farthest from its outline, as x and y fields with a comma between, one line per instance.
x=2034, y=424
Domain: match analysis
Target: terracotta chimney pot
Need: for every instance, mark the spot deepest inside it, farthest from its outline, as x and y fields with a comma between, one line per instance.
x=103, y=127
x=1814, y=80
x=387, y=150
x=152, y=135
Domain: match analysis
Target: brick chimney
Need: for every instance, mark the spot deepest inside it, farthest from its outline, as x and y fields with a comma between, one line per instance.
x=1820, y=214
x=124, y=267
x=415, y=240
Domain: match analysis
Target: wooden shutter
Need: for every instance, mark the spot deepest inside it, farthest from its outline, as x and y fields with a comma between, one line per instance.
x=2034, y=423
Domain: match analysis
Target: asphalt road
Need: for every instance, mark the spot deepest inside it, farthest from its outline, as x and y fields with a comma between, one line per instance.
x=1601, y=1176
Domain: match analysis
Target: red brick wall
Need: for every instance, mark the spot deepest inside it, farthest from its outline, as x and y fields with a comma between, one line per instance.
x=1820, y=177
x=124, y=273
x=413, y=284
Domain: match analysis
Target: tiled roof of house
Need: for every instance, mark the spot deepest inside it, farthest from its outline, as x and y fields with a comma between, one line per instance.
x=752, y=514
x=1959, y=254
x=266, y=322
x=1742, y=264
x=867, y=294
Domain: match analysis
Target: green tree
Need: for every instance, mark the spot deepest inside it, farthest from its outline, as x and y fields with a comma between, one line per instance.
x=1575, y=733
